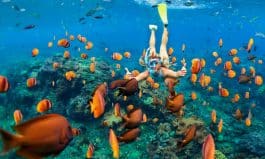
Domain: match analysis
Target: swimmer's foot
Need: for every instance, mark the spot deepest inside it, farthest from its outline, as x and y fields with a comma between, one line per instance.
x=152, y=27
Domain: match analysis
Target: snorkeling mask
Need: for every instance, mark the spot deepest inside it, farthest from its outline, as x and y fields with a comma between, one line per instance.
x=151, y=62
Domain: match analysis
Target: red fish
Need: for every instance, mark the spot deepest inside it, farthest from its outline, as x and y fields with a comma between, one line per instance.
x=129, y=135
x=188, y=136
x=4, y=84
x=208, y=148
x=133, y=119
x=97, y=103
x=39, y=137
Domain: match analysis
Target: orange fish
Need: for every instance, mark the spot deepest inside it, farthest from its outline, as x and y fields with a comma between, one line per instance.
x=228, y=65
x=250, y=44
x=223, y=92
x=215, y=54
x=238, y=115
x=89, y=45
x=252, y=71
x=63, y=43
x=236, y=60
x=39, y=137
x=31, y=82
x=248, y=119
x=220, y=126
x=75, y=132
x=127, y=54
x=204, y=80
x=4, y=84
x=173, y=59
x=210, y=89
x=35, y=52
x=50, y=44
x=44, y=105
x=220, y=42
x=92, y=67
x=135, y=73
x=113, y=73
x=17, y=116
x=196, y=66
x=193, y=96
x=70, y=75
x=55, y=65
x=144, y=118
x=233, y=52
x=247, y=95
x=81, y=38
x=203, y=62
x=117, y=111
x=231, y=73
x=130, y=107
x=243, y=71
x=83, y=56
x=117, y=56
x=258, y=80
x=140, y=93
x=66, y=54
x=170, y=51
x=155, y=85
x=208, y=148
x=72, y=37
x=236, y=98
x=90, y=151
x=114, y=144
x=118, y=66
x=97, y=103
x=188, y=136
x=193, y=78
x=218, y=61
x=150, y=80
x=213, y=116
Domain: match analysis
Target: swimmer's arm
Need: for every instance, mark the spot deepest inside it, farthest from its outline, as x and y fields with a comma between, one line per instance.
x=173, y=74
x=142, y=76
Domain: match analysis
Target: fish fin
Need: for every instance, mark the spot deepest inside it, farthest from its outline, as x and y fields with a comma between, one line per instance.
x=21, y=128
x=27, y=154
x=9, y=140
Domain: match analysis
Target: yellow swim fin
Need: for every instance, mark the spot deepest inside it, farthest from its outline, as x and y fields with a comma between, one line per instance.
x=162, y=10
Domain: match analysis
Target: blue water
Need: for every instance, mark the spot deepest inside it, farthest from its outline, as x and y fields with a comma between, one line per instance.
x=124, y=27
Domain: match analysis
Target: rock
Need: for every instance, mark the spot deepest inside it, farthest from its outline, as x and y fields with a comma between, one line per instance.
x=253, y=142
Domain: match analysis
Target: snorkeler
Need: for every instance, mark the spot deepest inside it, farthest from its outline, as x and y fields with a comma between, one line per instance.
x=156, y=64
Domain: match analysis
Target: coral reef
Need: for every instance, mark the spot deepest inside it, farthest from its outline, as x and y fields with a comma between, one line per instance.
x=219, y=155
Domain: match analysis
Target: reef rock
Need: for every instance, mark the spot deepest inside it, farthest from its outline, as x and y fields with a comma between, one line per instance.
x=253, y=142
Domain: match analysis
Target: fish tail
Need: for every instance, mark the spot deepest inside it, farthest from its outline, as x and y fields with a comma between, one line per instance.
x=10, y=141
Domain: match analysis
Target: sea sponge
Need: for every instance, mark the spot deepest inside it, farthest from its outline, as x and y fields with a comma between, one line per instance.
x=182, y=124
x=148, y=101
x=110, y=119
x=219, y=155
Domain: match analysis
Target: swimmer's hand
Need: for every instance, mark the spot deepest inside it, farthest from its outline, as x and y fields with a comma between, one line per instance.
x=182, y=72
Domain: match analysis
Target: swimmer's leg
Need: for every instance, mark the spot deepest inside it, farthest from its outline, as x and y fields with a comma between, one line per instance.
x=163, y=48
x=152, y=39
